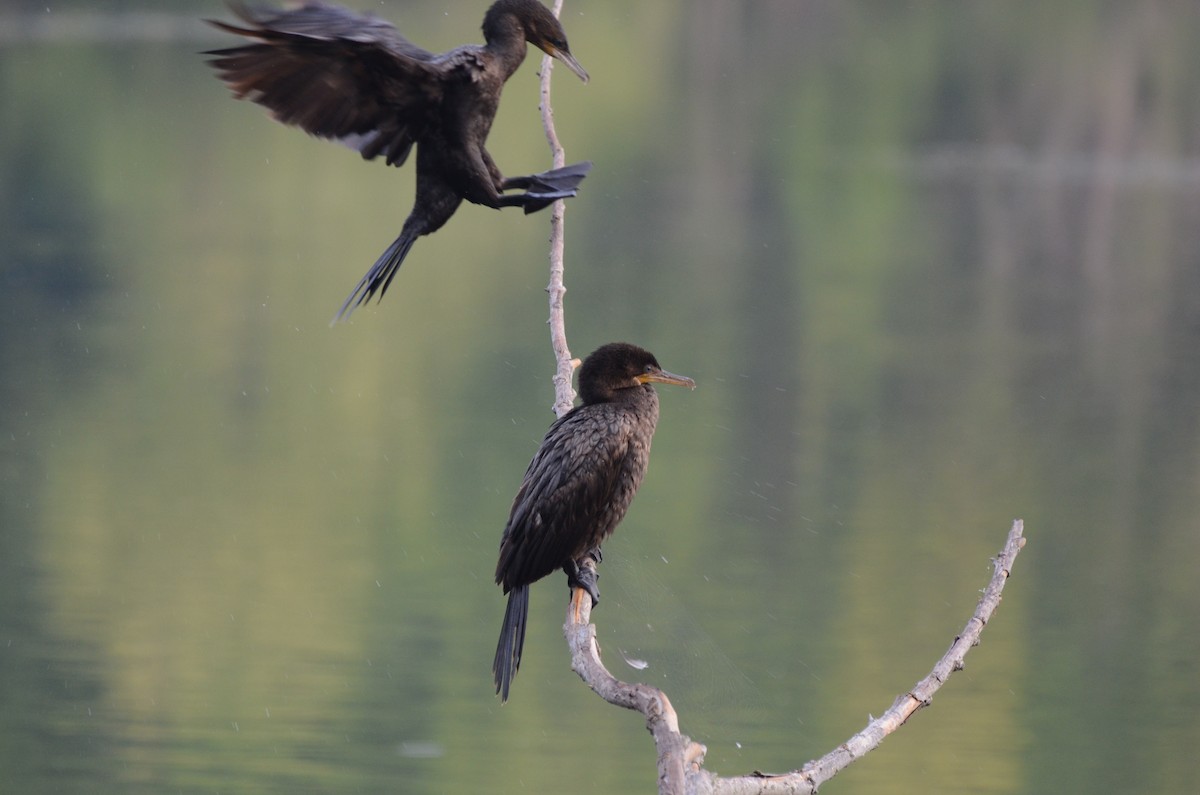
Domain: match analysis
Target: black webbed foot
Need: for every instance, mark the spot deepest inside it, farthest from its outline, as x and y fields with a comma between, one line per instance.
x=583, y=577
x=556, y=180
x=532, y=202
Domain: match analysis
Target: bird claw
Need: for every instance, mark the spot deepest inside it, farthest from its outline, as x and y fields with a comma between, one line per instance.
x=583, y=577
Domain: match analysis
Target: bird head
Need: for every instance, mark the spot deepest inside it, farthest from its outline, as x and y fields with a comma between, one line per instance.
x=618, y=366
x=542, y=29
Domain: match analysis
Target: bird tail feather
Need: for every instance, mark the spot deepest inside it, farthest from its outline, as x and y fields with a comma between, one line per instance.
x=379, y=276
x=512, y=640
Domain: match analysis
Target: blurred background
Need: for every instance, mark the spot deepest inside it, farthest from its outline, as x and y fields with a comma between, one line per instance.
x=934, y=266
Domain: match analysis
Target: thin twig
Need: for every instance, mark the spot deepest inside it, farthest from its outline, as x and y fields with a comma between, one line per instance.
x=564, y=394
x=680, y=759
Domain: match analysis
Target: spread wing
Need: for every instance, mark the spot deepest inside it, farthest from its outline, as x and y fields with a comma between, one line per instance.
x=565, y=497
x=335, y=74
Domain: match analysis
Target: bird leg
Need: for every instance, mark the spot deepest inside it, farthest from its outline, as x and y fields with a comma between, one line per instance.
x=581, y=579
x=582, y=574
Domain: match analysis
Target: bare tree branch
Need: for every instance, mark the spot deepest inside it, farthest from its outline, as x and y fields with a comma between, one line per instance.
x=680, y=759
x=678, y=755
x=564, y=394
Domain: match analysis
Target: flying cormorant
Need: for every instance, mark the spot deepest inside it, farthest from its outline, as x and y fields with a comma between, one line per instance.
x=353, y=78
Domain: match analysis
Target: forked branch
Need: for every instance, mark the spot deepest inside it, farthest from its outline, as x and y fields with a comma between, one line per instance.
x=680, y=760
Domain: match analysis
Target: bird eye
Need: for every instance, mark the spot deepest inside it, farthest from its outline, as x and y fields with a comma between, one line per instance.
x=649, y=368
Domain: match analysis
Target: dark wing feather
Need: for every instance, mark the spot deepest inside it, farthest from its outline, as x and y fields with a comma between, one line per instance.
x=335, y=74
x=566, y=494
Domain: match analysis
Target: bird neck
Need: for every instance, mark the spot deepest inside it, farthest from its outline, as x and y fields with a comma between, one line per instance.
x=643, y=402
x=505, y=37
x=633, y=395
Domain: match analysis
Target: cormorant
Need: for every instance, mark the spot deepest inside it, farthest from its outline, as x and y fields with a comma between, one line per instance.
x=578, y=486
x=336, y=74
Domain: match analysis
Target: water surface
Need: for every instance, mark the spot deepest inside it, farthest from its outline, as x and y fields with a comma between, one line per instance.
x=933, y=268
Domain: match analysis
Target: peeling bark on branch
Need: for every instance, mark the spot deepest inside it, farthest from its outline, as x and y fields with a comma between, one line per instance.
x=680, y=760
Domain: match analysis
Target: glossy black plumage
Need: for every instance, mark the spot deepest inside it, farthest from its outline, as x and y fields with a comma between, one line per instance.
x=353, y=78
x=579, y=485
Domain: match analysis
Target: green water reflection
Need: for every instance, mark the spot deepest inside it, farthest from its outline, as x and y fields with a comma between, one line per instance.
x=933, y=269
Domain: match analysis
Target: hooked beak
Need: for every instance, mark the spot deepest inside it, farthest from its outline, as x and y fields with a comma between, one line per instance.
x=663, y=377
x=567, y=58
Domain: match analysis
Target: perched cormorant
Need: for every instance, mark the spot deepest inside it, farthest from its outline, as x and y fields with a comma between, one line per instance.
x=578, y=486
x=336, y=74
